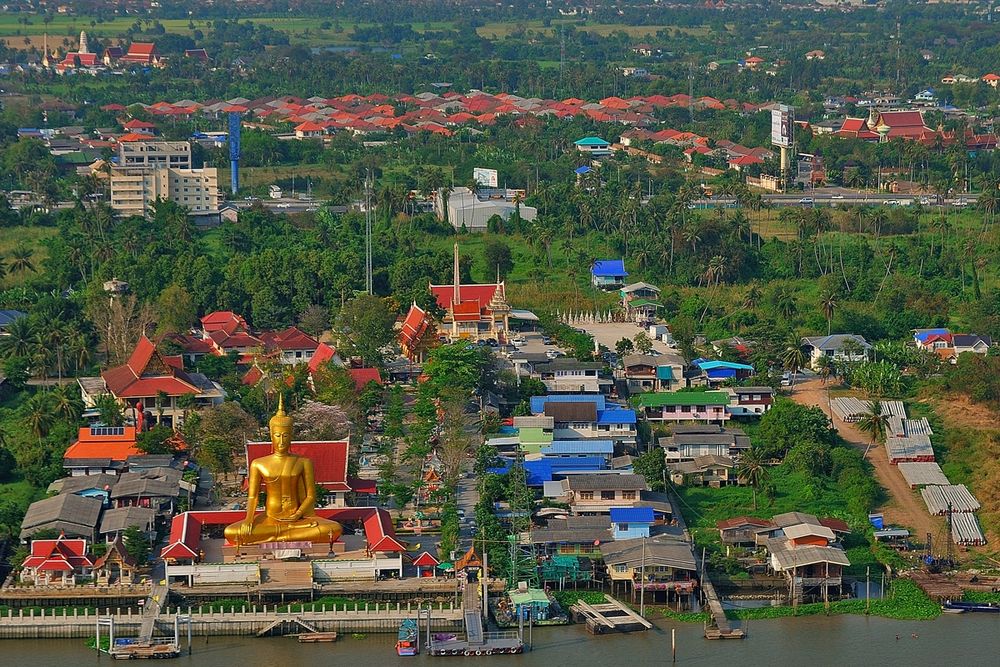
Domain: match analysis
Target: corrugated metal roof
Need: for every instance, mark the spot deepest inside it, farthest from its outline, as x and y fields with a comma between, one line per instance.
x=579, y=447
x=631, y=515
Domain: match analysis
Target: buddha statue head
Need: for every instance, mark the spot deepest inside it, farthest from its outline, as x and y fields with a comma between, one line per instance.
x=281, y=428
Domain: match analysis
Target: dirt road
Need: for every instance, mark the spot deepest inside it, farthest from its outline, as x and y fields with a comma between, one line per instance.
x=905, y=506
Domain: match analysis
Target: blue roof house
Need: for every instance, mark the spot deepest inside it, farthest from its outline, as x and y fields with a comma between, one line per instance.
x=608, y=273
x=629, y=523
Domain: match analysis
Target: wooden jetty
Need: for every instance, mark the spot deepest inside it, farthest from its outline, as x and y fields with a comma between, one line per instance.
x=721, y=627
x=612, y=616
x=317, y=637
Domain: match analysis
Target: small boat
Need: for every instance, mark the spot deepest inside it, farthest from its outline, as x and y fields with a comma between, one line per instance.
x=317, y=637
x=960, y=607
x=406, y=638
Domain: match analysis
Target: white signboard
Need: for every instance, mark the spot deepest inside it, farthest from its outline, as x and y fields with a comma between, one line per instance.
x=782, y=121
x=487, y=178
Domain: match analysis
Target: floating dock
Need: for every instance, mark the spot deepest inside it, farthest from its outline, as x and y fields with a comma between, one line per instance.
x=612, y=616
x=317, y=637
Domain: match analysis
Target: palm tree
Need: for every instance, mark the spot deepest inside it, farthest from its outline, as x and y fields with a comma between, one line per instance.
x=40, y=414
x=828, y=302
x=21, y=339
x=784, y=302
x=793, y=358
x=752, y=470
x=67, y=403
x=875, y=423
x=21, y=259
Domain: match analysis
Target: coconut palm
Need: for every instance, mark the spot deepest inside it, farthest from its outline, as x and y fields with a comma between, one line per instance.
x=793, y=358
x=39, y=414
x=784, y=302
x=67, y=403
x=753, y=471
x=875, y=423
x=828, y=302
x=21, y=339
x=21, y=259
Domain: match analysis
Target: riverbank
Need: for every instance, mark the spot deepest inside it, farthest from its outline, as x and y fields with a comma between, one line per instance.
x=839, y=640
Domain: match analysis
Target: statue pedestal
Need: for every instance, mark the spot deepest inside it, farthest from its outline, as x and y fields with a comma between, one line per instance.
x=251, y=553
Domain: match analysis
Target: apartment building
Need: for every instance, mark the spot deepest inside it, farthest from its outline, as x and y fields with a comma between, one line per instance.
x=158, y=154
x=135, y=189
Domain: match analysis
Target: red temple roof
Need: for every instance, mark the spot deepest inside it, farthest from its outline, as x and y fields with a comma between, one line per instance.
x=329, y=460
x=147, y=372
x=414, y=326
x=425, y=560
x=362, y=376
x=185, y=529
x=291, y=338
x=323, y=354
x=59, y=555
x=481, y=293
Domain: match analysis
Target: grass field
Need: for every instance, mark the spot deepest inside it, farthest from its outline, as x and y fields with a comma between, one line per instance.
x=301, y=30
x=502, y=30
x=31, y=237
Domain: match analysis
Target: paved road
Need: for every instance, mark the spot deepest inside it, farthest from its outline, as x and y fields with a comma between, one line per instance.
x=842, y=198
x=609, y=333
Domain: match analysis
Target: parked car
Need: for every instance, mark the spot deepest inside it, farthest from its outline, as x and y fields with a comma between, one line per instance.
x=786, y=379
x=806, y=200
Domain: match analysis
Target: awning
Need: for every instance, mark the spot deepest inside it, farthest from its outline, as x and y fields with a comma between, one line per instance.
x=523, y=315
x=664, y=373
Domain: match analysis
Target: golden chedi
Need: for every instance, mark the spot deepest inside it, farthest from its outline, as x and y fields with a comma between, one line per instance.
x=289, y=509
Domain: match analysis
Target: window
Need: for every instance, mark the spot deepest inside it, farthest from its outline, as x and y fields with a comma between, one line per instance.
x=586, y=495
x=628, y=495
x=623, y=527
x=607, y=495
x=621, y=569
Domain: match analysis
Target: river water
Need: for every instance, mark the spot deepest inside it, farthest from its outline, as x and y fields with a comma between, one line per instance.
x=967, y=640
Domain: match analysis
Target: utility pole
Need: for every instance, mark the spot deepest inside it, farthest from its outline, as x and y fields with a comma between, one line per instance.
x=642, y=580
x=868, y=589
x=368, y=233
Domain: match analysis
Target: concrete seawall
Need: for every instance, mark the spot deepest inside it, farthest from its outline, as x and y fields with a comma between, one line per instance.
x=238, y=621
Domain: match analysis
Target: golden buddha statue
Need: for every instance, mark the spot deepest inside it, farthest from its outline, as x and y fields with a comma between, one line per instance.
x=289, y=509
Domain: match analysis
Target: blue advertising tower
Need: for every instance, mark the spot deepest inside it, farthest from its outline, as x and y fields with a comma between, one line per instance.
x=235, y=122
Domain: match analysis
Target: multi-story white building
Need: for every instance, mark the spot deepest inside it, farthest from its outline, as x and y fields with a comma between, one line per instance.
x=159, y=154
x=135, y=189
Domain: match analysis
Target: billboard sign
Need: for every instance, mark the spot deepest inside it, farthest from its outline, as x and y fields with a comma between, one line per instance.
x=488, y=178
x=782, y=121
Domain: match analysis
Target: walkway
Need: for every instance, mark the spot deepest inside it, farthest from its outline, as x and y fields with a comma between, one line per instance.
x=904, y=508
x=151, y=610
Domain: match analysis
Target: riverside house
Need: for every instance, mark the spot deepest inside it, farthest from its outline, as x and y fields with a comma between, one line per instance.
x=664, y=566
x=598, y=493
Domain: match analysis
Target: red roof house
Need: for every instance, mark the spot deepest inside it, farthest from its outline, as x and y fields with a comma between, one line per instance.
x=101, y=443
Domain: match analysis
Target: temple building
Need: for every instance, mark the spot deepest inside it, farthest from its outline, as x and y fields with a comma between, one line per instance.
x=473, y=312
x=152, y=382
x=417, y=334
x=883, y=126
